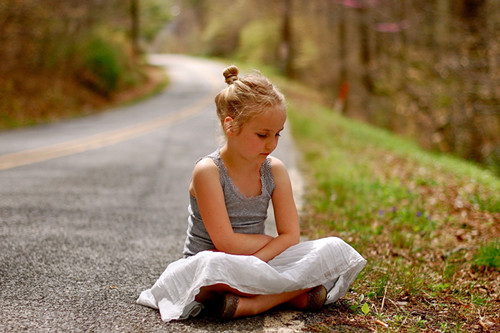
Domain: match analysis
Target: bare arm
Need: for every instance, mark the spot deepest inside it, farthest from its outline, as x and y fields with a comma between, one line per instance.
x=209, y=195
x=285, y=214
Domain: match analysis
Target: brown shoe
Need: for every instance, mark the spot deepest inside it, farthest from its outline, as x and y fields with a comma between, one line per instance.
x=229, y=304
x=316, y=298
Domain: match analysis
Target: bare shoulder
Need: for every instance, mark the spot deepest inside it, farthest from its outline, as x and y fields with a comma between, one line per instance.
x=205, y=175
x=278, y=168
x=204, y=165
x=275, y=161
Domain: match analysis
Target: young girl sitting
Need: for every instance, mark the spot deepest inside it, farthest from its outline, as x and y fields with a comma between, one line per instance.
x=229, y=263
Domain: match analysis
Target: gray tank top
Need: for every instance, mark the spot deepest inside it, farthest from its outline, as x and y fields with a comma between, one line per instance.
x=247, y=214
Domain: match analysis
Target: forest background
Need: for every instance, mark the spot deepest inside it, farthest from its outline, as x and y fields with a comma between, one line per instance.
x=425, y=69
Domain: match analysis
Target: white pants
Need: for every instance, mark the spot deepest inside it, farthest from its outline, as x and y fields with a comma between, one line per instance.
x=327, y=261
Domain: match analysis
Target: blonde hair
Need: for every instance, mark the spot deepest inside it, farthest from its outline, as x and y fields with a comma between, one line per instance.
x=245, y=97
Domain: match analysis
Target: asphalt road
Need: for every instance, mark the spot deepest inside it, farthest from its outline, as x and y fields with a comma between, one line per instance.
x=93, y=209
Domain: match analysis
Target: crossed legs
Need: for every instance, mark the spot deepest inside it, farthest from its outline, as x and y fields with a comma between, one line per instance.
x=249, y=305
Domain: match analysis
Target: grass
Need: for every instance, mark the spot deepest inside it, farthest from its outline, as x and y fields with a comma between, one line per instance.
x=427, y=223
x=488, y=255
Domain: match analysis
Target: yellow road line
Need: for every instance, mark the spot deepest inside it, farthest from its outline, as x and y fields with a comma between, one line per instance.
x=100, y=140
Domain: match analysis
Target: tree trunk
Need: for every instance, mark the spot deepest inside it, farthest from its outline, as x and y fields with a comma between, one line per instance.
x=134, y=27
x=287, y=40
x=473, y=17
x=344, y=84
x=365, y=56
x=441, y=27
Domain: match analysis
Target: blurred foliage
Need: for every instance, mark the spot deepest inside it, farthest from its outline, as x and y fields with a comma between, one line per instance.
x=259, y=41
x=154, y=15
x=102, y=65
x=59, y=57
x=424, y=69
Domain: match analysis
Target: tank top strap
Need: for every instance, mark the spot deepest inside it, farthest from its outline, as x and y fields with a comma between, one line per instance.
x=224, y=175
x=267, y=177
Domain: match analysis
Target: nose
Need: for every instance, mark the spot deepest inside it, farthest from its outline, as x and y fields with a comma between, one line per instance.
x=272, y=143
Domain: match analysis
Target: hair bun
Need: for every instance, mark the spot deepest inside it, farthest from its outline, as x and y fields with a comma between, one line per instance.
x=231, y=74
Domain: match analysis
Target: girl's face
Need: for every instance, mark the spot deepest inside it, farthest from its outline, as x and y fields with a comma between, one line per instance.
x=259, y=136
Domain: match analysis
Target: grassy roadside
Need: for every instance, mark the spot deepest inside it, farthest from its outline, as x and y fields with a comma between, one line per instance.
x=428, y=224
x=63, y=98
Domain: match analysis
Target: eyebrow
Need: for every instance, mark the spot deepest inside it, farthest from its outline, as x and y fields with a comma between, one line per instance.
x=270, y=130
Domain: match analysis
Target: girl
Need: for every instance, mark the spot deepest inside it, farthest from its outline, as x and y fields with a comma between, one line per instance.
x=230, y=264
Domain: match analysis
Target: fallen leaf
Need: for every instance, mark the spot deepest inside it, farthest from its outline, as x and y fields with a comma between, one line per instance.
x=381, y=323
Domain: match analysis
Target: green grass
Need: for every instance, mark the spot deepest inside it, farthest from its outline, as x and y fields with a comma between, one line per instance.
x=488, y=255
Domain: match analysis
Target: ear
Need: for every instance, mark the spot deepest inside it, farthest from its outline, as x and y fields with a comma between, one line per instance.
x=229, y=125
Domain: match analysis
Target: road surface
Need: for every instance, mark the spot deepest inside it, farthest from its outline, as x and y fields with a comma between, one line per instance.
x=93, y=209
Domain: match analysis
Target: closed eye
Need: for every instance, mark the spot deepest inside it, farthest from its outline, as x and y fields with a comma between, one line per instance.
x=263, y=136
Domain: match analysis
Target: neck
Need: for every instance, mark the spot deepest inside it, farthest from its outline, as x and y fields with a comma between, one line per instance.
x=234, y=161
